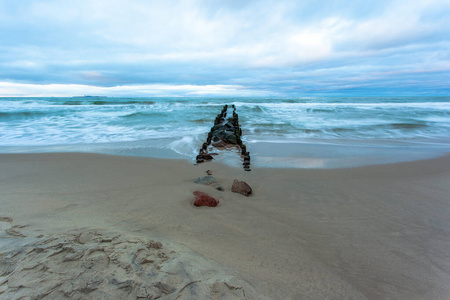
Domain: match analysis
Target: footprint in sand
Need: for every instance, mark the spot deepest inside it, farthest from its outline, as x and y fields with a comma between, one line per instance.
x=96, y=260
x=223, y=290
x=5, y=223
x=9, y=229
x=93, y=264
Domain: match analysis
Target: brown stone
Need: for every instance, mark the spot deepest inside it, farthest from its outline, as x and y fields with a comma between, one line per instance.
x=241, y=187
x=207, y=157
x=219, y=144
x=203, y=156
x=202, y=199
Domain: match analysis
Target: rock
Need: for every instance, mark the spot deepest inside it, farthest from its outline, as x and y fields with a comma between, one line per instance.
x=202, y=199
x=241, y=187
x=219, y=144
x=209, y=172
x=206, y=180
x=231, y=139
x=202, y=157
x=218, y=128
x=209, y=180
x=226, y=133
x=207, y=156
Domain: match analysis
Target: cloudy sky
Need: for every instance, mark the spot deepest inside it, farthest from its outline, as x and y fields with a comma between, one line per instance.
x=224, y=47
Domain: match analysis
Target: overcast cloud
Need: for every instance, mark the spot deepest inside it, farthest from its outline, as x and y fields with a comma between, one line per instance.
x=213, y=47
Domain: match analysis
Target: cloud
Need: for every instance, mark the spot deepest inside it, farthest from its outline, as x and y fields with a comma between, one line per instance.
x=159, y=90
x=210, y=42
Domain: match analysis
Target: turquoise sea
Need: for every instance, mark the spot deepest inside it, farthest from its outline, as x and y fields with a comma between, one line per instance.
x=304, y=132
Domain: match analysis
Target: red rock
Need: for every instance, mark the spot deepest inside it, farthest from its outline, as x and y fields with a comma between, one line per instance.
x=202, y=199
x=241, y=187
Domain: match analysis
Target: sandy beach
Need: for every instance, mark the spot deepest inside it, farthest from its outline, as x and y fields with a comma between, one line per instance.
x=87, y=226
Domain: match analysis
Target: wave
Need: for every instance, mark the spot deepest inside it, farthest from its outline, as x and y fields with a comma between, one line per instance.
x=106, y=102
x=376, y=127
x=407, y=125
x=331, y=105
x=201, y=121
x=94, y=120
x=290, y=101
x=327, y=130
x=320, y=110
x=73, y=102
x=256, y=109
x=144, y=114
x=22, y=114
x=97, y=101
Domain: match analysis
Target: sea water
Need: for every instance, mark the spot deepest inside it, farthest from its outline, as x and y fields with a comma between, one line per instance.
x=303, y=132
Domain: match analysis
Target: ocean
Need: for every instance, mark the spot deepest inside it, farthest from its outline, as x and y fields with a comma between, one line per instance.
x=302, y=132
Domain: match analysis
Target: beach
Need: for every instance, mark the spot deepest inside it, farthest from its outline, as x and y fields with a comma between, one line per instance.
x=372, y=232
x=271, y=150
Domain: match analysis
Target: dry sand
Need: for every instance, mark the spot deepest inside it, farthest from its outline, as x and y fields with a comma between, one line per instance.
x=89, y=226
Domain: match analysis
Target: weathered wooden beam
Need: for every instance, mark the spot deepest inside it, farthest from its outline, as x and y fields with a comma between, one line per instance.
x=224, y=134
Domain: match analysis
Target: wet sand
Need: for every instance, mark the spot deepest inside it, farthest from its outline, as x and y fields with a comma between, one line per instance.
x=89, y=225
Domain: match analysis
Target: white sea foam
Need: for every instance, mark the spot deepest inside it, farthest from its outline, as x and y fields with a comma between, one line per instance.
x=185, y=146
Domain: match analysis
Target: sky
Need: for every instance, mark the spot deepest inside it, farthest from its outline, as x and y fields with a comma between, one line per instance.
x=268, y=48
